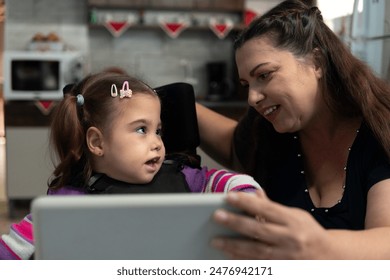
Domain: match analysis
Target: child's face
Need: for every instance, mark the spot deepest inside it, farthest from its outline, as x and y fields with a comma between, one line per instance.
x=133, y=150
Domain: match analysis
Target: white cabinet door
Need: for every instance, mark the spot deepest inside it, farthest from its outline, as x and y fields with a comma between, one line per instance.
x=28, y=162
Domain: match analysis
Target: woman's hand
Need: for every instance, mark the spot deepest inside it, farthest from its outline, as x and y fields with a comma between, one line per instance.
x=274, y=231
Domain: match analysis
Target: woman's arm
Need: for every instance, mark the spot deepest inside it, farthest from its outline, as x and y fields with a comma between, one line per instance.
x=281, y=232
x=216, y=134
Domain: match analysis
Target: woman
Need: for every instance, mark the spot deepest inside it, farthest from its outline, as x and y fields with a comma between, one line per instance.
x=317, y=139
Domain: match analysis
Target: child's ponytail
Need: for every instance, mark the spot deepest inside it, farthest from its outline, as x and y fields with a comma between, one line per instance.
x=68, y=137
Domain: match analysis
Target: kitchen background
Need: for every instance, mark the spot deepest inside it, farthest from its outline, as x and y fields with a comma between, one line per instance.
x=145, y=49
x=151, y=46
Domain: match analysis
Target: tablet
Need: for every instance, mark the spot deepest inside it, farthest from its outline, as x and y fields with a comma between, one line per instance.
x=127, y=226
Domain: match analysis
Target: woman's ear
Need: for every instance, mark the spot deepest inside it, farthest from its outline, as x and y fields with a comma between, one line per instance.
x=94, y=139
x=317, y=63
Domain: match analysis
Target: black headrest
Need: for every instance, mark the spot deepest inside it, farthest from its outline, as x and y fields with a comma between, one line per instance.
x=178, y=116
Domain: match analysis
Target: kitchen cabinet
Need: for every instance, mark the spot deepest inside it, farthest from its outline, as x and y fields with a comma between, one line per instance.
x=232, y=109
x=28, y=158
x=370, y=35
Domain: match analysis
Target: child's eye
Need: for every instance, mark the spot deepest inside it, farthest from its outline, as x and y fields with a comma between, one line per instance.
x=159, y=132
x=141, y=130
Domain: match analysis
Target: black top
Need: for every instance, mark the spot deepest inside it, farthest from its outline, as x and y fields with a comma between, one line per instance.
x=277, y=166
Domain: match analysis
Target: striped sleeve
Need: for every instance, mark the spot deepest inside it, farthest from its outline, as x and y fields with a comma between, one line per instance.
x=225, y=181
x=18, y=244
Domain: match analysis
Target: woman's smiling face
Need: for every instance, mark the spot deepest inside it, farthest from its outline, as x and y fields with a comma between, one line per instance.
x=282, y=88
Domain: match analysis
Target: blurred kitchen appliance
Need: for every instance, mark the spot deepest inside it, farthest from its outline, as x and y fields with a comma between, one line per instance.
x=30, y=75
x=219, y=86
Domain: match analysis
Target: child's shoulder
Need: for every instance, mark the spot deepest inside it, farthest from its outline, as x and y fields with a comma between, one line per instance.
x=66, y=190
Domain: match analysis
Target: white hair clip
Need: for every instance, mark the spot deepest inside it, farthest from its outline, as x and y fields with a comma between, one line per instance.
x=114, y=90
x=125, y=91
x=79, y=100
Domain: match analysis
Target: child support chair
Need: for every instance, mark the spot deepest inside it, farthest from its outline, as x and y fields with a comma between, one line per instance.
x=180, y=131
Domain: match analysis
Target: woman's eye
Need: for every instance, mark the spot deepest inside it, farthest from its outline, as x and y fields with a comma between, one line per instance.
x=264, y=76
x=141, y=130
x=244, y=85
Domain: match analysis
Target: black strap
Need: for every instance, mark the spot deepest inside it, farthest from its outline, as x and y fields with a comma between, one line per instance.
x=169, y=179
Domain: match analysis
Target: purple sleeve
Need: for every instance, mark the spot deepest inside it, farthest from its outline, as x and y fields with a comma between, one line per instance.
x=67, y=190
x=196, y=178
x=214, y=180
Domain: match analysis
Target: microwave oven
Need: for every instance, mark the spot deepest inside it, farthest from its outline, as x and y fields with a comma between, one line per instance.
x=29, y=75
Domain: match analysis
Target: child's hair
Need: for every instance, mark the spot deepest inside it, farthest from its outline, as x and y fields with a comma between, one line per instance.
x=88, y=103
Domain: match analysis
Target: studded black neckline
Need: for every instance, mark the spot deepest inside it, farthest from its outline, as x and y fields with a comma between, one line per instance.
x=302, y=172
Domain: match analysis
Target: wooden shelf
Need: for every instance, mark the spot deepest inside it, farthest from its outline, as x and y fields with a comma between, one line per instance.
x=145, y=12
x=187, y=5
x=157, y=27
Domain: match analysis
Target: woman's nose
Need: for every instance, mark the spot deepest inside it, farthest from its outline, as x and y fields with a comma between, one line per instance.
x=255, y=96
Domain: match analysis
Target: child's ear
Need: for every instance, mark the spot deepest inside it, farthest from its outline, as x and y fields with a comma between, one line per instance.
x=94, y=139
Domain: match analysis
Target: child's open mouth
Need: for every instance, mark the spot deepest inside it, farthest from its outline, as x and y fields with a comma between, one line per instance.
x=153, y=161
